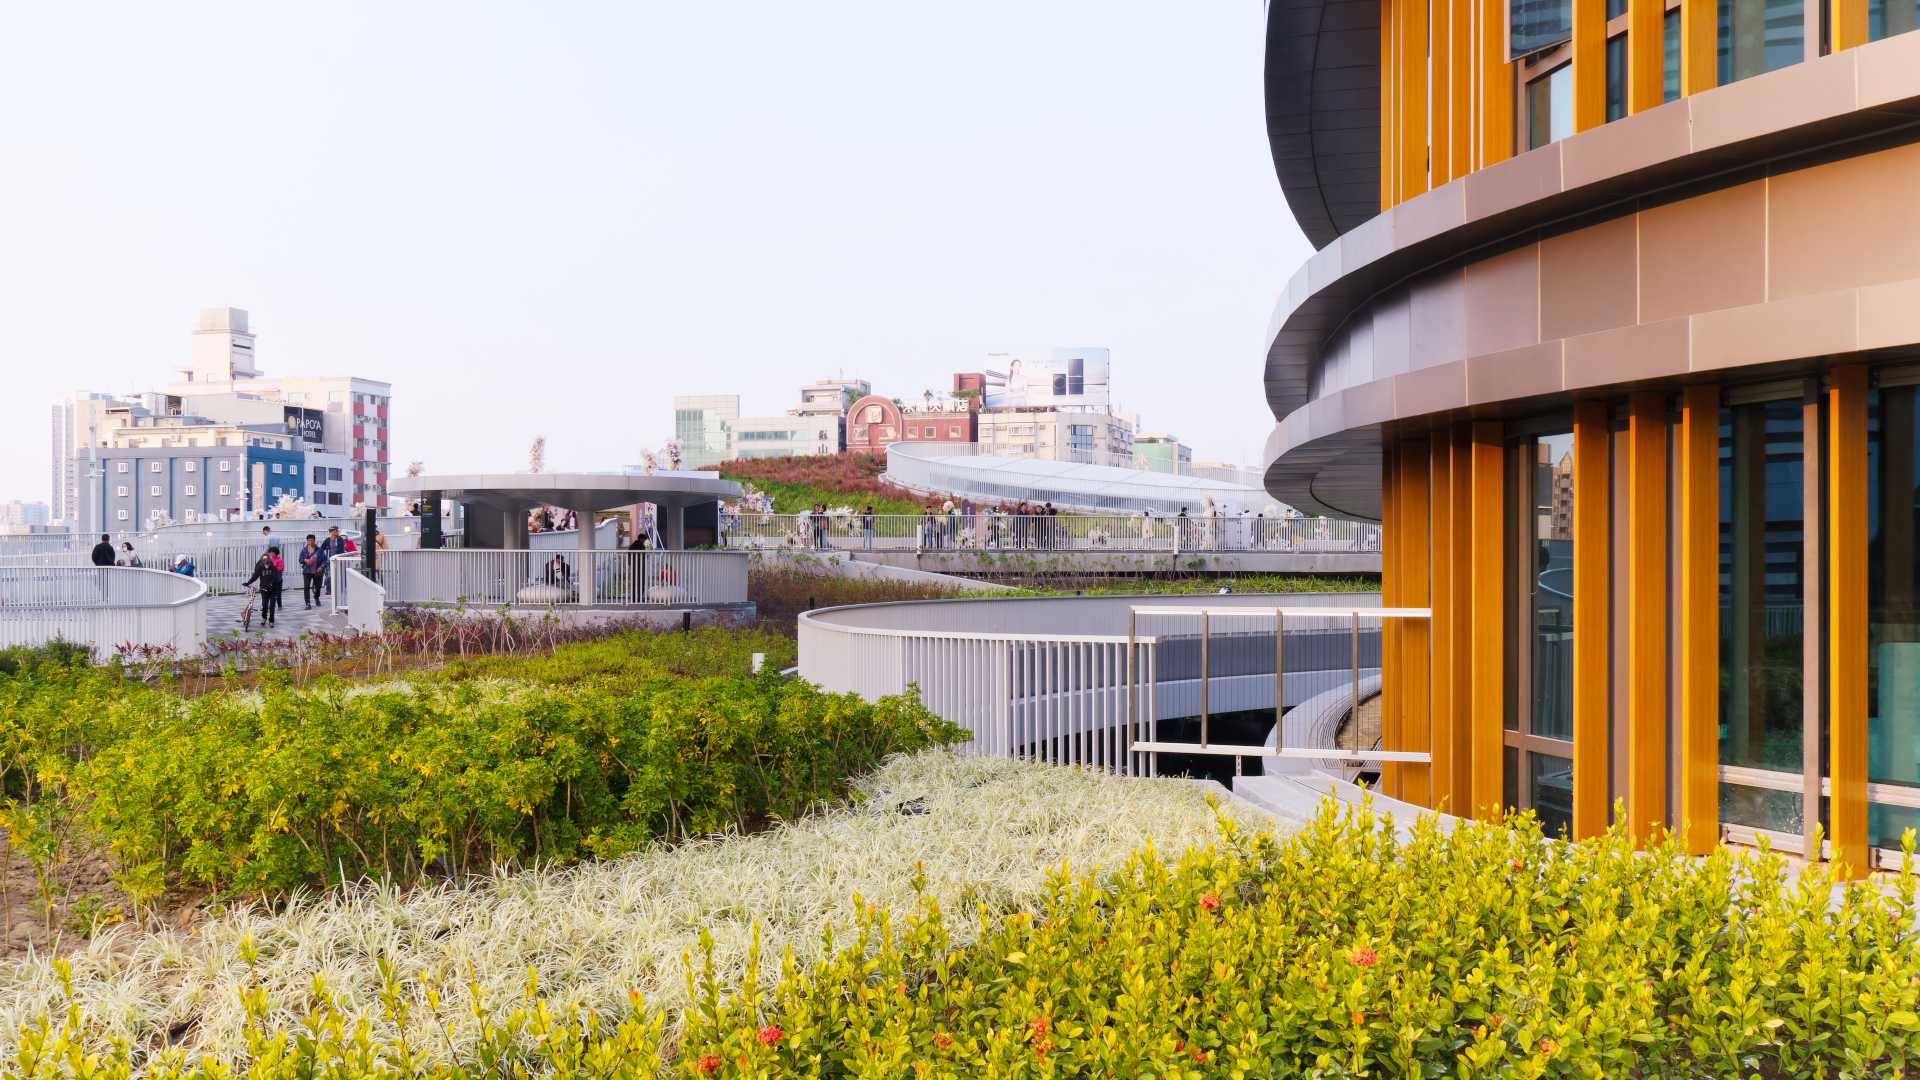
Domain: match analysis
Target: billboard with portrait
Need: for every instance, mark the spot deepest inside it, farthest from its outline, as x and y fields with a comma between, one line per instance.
x=1064, y=378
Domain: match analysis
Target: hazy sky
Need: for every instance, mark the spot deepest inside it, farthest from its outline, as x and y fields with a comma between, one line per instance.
x=550, y=218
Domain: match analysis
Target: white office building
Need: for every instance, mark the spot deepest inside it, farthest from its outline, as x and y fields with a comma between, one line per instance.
x=333, y=432
x=702, y=425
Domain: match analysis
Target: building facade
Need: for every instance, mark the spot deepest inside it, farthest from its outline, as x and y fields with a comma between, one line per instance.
x=341, y=423
x=1084, y=437
x=1162, y=453
x=875, y=423
x=702, y=425
x=1615, y=325
x=785, y=436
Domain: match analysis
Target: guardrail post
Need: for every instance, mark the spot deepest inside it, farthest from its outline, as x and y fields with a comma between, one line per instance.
x=1205, y=675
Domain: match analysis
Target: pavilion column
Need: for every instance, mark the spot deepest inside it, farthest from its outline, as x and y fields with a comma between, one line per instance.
x=583, y=568
x=673, y=526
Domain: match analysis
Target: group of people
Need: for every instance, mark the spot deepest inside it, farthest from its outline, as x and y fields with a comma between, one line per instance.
x=545, y=520
x=1024, y=524
x=269, y=570
x=812, y=525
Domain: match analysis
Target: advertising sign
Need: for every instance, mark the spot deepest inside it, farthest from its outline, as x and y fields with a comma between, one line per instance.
x=305, y=424
x=1066, y=379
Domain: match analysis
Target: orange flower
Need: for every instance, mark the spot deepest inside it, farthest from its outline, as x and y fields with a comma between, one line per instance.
x=1547, y=1047
x=1210, y=902
x=1359, y=1018
x=1039, y=1026
x=709, y=1063
x=1364, y=956
x=943, y=1040
x=770, y=1035
x=1494, y=1021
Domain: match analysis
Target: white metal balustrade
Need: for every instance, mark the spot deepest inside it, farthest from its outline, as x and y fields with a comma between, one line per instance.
x=1037, y=678
x=982, y=531
x=478, y=578
x=103, y=607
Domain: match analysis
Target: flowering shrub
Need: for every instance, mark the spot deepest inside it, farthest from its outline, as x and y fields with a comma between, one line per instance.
x=575, y=756
x=1489, y=951
x=797, y=483
x=1340, y=952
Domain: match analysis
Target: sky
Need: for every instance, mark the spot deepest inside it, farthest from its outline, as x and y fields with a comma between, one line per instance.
x=548, y=219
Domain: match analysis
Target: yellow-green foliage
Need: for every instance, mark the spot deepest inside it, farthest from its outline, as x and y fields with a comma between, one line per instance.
x=1337, y=952
x=592, y=751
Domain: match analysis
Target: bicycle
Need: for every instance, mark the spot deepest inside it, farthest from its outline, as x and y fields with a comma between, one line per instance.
x=246, y=614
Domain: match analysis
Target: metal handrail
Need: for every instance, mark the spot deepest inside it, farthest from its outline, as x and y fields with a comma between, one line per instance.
x=1154, y=745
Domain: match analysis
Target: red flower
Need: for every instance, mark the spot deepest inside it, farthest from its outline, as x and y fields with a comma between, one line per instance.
x=1364, y=956
x=1546, y=1046
x=709, y=1063
x=1494, y=1021
x=943, y=1040
x=1210, y=902
x=1039, y=1026
x=770, y=1035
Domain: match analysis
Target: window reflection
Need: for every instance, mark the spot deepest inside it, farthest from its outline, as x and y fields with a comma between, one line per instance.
x=1893, y=612
x=1886, y=18
x=1757, y=36
x=1762, y=570
x=1550, y=107
x=1552, y=614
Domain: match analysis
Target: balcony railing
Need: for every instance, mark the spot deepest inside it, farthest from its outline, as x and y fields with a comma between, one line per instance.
x=1015, y=532
x=103, y=607
x=485, y=579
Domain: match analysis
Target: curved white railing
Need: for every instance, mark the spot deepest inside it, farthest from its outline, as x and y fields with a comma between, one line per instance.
x=1086, y=680
x=103, y=607
x=365, y=600
x=481, y=578
x=1095, y=533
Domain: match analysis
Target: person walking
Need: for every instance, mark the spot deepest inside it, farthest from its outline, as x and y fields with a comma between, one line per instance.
x=268, y=571
x=103, y=551
x=331, y=548
x=313, y=564
x=866, y=527
x=266, y=537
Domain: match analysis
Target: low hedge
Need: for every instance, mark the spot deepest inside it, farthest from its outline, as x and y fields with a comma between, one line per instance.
x=1338, y=952
x=589, y=752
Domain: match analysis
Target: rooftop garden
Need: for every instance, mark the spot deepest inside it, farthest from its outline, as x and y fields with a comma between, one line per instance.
x=845, y=479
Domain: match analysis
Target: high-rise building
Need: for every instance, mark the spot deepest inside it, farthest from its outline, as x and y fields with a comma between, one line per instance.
x=337, y=426
x=701, y=425
x=24, y=515
x=1162, y=453
x=1628, y=366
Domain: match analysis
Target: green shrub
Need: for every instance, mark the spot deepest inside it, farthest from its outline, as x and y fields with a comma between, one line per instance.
x=1338, y=952
x=1343, y=953
x=589, y=752
x=15, y=658
x=312, y=786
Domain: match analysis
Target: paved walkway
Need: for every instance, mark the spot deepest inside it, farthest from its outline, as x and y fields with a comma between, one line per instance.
x=223, y=618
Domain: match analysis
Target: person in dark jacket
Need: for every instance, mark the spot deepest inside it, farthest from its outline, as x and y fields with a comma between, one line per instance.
x=313, y=563
x=267, y=571
x=103, y=551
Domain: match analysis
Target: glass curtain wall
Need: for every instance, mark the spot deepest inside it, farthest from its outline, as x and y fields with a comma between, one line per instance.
x=1763, y=578
x=1893, y=611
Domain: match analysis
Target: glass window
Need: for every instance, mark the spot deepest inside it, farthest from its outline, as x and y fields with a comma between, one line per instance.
x=1550, y=107
x=1552, y=584
x=191, y=490
x=1535, y=24
x=190, y=466
x=1616, y=77
x=153, y=490
x=1893, y=605
x=122, y=466
x=1670, y=56
x=1757, y=36
x=1886, y=18
x=1615, y=9
x=153, y=466
x=1763, y=577
x=1551, y=792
